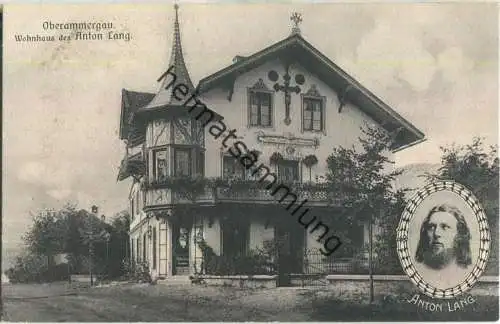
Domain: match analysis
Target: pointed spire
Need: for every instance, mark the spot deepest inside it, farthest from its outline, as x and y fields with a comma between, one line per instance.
x=176, y=57
x=176, y=67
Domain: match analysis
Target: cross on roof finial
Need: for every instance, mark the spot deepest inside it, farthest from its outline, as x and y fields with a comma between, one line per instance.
x=297, y=19
x=176, y=8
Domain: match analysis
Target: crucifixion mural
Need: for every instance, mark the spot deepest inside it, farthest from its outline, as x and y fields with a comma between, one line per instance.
x=286, y=88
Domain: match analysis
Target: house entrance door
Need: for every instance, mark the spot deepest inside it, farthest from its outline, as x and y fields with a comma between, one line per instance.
x=180, y=242
x=290, y=253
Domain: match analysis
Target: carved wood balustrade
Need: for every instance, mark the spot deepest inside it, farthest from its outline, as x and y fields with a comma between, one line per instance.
x=213, y=191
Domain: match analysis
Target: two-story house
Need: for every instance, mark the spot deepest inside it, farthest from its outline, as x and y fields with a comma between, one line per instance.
x=287, y=106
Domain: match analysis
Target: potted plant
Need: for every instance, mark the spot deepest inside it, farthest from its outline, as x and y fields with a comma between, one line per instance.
x=275, y=158
x=257, y=153
x=310, y=161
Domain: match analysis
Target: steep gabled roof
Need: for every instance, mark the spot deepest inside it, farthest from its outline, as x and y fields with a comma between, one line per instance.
x=296, y=49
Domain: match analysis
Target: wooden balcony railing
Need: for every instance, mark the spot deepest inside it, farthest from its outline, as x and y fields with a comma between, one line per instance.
x=210, y=191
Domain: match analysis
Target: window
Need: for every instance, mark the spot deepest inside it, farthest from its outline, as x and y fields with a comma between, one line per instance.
x=144, y=238
x=288, y=171
x=138, y=250
x=154, y=248
x=132, y=251
x=132, y=210
x=232, y=168
x=260, y=109
x=313, y=114
x=182, y=162
x=201, y=163
x=160, y=169
x=137, y=208
x=235, y=238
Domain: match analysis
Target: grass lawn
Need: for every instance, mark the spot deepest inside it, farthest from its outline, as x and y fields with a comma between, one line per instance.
x=176, y=303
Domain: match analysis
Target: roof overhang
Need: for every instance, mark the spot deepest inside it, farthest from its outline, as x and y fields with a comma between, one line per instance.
x=176, y=111
x=133, y=165
x=131, y=102
x=297, y=49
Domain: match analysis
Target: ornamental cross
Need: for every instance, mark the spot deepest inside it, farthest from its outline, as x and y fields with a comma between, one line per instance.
x=286, y=88
x=297, y=19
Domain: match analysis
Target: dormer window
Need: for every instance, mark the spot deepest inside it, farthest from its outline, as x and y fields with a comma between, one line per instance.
x=313, y=111
x=260, y=105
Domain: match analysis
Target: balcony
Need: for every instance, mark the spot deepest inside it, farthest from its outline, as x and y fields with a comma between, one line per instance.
x=182, y=190
x=315, y=194
x=204, y=191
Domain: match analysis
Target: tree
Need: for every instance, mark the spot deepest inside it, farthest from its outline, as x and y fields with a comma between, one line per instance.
x=364, y=181
x=119, y=244
x=476, y=167
x=77, y=232
x=363, y=178
x=47, y=235
x=121, y=222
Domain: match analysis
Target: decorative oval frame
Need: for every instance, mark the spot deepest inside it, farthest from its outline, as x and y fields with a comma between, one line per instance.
x=403, y=237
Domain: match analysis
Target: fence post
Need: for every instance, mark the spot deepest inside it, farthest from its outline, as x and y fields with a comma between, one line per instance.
x=370, y=257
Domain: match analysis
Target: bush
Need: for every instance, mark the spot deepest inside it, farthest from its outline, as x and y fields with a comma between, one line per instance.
x=256, y=262
x=252, y=264
x=136, y=271
x=28, y=268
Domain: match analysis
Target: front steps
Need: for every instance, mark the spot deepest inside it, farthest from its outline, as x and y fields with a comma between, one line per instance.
x=175, y=280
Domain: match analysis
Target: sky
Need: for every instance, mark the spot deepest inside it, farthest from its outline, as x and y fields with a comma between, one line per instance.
x=435, y=64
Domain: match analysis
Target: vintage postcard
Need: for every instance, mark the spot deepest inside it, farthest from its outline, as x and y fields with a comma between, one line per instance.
x=182, y=162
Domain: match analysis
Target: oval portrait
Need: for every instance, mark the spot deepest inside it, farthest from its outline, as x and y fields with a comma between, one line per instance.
x=443, y=239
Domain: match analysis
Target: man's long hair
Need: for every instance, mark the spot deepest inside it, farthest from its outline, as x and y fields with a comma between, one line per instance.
x=461, y=242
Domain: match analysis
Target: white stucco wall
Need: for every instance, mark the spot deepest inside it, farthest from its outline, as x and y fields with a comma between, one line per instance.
x=212, y=234
x=135, y=216
x=342, y=129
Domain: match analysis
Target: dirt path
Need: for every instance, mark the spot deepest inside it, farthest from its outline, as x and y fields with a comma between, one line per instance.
x=150, y=303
